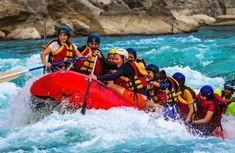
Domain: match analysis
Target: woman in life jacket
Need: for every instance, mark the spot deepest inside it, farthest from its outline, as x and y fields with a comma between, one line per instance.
x=153, y=82
x=208, y=112
x=186, y=99
x=226, y=94
x=167, y=96
x=134, y=88
x=92, y=49
x=59, y=49
x=132, y=55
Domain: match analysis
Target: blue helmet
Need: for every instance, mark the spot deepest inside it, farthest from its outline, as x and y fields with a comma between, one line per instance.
x=132, y=51
x=152, y=67
x=207, y=91
x=230, y=85
x=179, y=77
x=94, y=37
x=64, y=29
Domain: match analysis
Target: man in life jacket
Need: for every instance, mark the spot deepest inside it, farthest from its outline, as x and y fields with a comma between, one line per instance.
x=208, y=112
x=226, y=94
x=92, y=49
x=186, y=99
x=60, y=49
x=132, y=75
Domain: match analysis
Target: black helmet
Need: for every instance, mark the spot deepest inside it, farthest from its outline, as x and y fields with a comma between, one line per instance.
x=229, y=85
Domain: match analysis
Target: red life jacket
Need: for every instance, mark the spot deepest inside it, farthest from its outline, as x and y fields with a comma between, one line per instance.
x=136, y=83
x=64, y=52
x=202, y=108
x=122, y=82
x=86, y=66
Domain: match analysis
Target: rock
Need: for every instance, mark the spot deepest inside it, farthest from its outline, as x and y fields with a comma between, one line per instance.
x=203, y=19
x=110, y=17
x=225, y=20
x=2, y=34
x=184, y=22
x=230, y=7
x=132, y=24
x=24, y=33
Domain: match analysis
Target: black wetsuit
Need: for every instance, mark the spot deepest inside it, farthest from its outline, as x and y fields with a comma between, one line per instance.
x=125, y=70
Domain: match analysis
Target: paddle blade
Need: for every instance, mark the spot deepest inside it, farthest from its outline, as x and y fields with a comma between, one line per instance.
x=11, y=75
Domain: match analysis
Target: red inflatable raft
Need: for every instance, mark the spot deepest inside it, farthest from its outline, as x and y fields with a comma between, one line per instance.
x=72, y=86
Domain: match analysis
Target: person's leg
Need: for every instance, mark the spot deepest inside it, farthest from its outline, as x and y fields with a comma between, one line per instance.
x=118, y=89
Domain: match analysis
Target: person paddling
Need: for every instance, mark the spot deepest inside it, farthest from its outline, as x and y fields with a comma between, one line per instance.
x=132, y=81
x=59, y=49
x=92, y=49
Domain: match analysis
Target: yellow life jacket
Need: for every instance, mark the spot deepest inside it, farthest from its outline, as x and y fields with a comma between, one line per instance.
x=89, y=62
x=173, y=93
x=139, y=81
x=151, y=92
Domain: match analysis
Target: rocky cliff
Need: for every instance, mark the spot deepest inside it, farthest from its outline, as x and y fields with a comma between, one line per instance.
x=24, y=19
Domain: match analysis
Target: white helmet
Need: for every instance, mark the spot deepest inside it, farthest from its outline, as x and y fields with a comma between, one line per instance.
x=122, y=52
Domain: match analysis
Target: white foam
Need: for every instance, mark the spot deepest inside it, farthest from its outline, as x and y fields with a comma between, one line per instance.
x=195, y=79
x=19, y=109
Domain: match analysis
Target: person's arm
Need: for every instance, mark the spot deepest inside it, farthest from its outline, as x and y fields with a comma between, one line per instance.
x=206, y=119
x=189, y=101
x=113, y=76
x=228, y=101
x=190, y=113
x=77, y=53
x=45, y=52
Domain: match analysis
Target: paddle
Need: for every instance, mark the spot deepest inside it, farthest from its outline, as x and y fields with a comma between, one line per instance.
x=13, y=74
x=44, y=35
x=84, y=106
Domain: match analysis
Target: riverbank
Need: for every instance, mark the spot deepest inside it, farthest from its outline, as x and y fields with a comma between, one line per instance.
x=30, y=19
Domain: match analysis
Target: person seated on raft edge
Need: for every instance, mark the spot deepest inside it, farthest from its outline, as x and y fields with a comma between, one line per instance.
x=226, y=94
x=133, y=80
x=208, y=113
x=186, y=99
x=59, y=49
x=92, y=49
x=132, y=57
